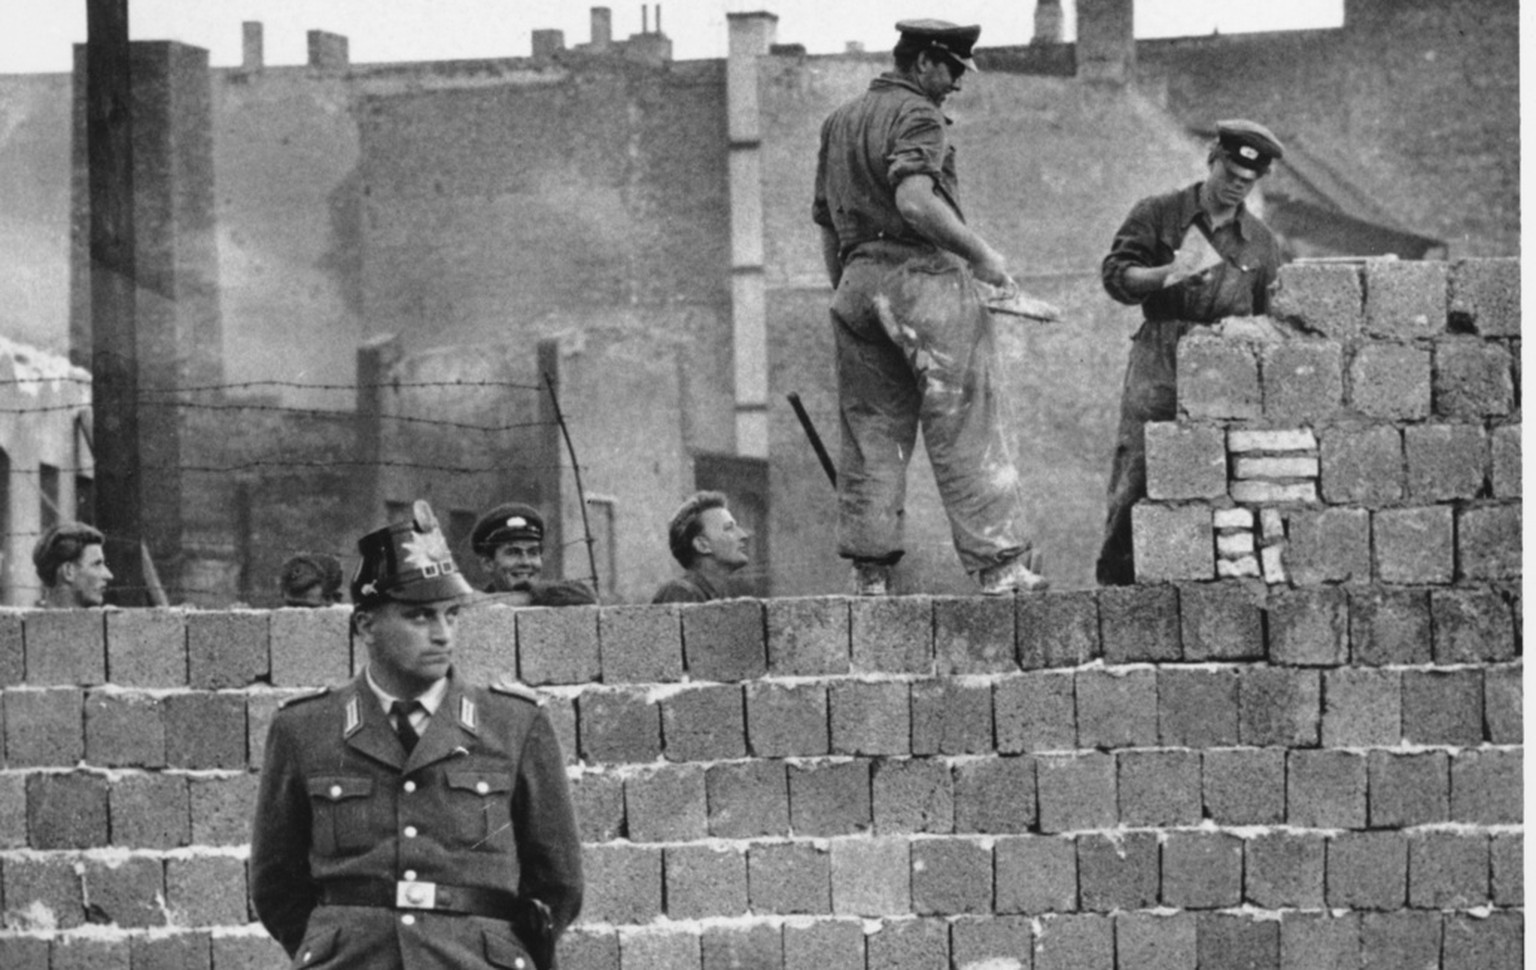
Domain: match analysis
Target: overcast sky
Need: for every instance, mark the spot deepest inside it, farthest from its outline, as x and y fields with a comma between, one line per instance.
x=36, y=35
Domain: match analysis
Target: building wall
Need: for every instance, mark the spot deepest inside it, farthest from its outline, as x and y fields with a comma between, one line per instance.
x=34, y=209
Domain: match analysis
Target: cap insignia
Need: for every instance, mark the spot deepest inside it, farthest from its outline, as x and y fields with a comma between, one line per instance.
x=426, y=551
x=516, y=522
x=1248, y=152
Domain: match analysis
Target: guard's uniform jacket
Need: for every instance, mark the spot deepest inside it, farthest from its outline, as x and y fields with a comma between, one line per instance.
x=347, y=825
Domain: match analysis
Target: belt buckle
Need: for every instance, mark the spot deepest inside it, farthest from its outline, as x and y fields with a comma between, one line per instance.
x=410, y=894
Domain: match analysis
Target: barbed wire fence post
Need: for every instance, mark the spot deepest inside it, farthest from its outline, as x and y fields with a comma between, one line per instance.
x=581, y=494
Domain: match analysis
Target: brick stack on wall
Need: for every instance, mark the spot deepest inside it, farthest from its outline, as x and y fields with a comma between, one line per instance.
x=1205, y=773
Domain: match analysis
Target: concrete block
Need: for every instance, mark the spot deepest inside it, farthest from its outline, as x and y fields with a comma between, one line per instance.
x=308, y=647
x=1155, y=941
x=1389, y=626
x=1485, y=296
x=13, y=811
x=829, y=798
x=228, y=649
x=1197, y=708
x=1406, y=299
x=71, y=952
x=1486, y=787
x=1241, y=441
x=1075, y=941
x=1319, y=941
x=1244, y=786
x=52, y=891
x=123, y=729
x=1035, y=874
x=1408, y=788
x=1274, y=493
x=996, y=795
x=1324, y=298
x=870, y=718
x=1116, y=709
x=1076, y=791
x=1325, y=789
x=951, y=876
x=1159, y=788
x=205, y=731
x=598, y=798
x=44, y=728
x=1390, y=941
x=1473, y=379
x=1496, y=942
x=997, y=941
x=789, y=877
x=1391, y=382
x=1331, y=545
x=951, y=717
x=1488, y=542
x=734, y=947
x=258, y=953
x=871, y=877
x=65, y=647
x=206, y=890
x=1472, y=625
x=1222, y=621
x=663, y=947
x=1503, y=698
x=26, y=952
x=67, y=811
x=1057, y=629
x=618, y=726
x=1218, y=379
x=1202, y=870
x=725, y=640
x=1279, y=707
x=1443, y=706
x=973, y=635
x=1303, y=380
x=1367, y=870
x=1236, y=545
x=835, y=944
x=13, y=653
x=1140, y=624
x=180, y=950
x=1362, y=707
x=1233, y=518
x=486, y=649
x=704, y=723
x=1185, y=461
x=667, y=804
x=1035, y=711
x=1223, y=940
x=558, y=646
x=787, y=720
x=892, y=635
x=909, y=945
x=1309, y=627
x=152, y=811
x=1172, y=542
x=1445, y=461
x=1448, y=870
x=1118, y=872
x=1414, y=545
x=1287, y=466
x=704, y=881
x=809, y=637
x=1284, y=870
x=913, y=795
x=1507, y=855
x=623, y=883
x=1504, y=443
x=1362, y=465
x=640, y=644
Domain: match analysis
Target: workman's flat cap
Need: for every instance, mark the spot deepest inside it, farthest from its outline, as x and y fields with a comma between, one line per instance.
x=1249, y=144
x=951, y=39
x=508, y=522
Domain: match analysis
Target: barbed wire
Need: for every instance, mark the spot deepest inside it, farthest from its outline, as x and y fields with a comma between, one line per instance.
x=296, y=385
x=307, y=412
x=312, y=464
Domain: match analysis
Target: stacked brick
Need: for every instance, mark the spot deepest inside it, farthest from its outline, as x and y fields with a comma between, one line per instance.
x=1375, y=424
x=1162, y=777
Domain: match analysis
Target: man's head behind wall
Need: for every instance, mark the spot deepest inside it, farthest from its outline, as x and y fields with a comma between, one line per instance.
x=703, y=528
x=311, y=579
x=70, y=560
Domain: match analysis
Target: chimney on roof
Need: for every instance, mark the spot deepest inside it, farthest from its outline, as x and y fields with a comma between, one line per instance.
x=853, y=47
x=602, y=28
x=1047, y=22
x=327, y=51
x=1106, y=40
x=252, y=57
x=548, y=43
x=645, y=18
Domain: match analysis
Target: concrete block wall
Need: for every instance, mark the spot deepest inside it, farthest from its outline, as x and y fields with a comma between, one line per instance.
x=1180, y=775
x=1368, y=433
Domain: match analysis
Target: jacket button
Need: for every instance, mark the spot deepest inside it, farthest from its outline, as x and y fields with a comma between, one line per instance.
x=335, y=791
x=410, y=786
x=410, y=875
x=518, y=964
x=408, y=919
x=306, y=956
x=482, y=787
x=410, y=831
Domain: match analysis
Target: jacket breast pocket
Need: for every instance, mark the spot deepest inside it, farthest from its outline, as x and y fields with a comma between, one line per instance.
x=341, y=815
x=481, y=805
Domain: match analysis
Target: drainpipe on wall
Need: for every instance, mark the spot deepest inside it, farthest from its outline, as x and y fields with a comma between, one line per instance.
x=751, y=35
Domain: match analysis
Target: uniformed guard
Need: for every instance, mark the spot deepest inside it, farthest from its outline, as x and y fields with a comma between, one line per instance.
x=509, y=539
x=409, y=819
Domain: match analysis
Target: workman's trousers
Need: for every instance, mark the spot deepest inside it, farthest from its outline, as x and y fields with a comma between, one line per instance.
x=915, y=348
x=1150, y=394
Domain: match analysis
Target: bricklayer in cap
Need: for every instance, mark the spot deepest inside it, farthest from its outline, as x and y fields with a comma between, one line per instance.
x=506, y=523
x=1249, y=143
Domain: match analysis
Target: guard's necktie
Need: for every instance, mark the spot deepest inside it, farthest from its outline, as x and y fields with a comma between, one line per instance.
x=402, y=712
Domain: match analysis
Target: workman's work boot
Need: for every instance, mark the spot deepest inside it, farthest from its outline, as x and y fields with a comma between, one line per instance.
x=871, y=578
x=1013, y=576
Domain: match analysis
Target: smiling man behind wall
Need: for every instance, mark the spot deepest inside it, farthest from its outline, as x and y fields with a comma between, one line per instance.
x=71, y=562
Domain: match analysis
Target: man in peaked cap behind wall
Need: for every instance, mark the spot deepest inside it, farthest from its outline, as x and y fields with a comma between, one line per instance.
x=509, y=539
x=409, y=819
x=915, y=346
x=1190, y=257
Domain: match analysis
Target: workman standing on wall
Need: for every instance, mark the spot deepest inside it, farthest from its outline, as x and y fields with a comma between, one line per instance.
x=915, y=344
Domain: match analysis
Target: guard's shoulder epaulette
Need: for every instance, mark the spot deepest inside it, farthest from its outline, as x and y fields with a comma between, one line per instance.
x=521, y=691
x=299, y=699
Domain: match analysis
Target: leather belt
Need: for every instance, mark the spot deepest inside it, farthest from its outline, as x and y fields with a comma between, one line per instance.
x=414, y=895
